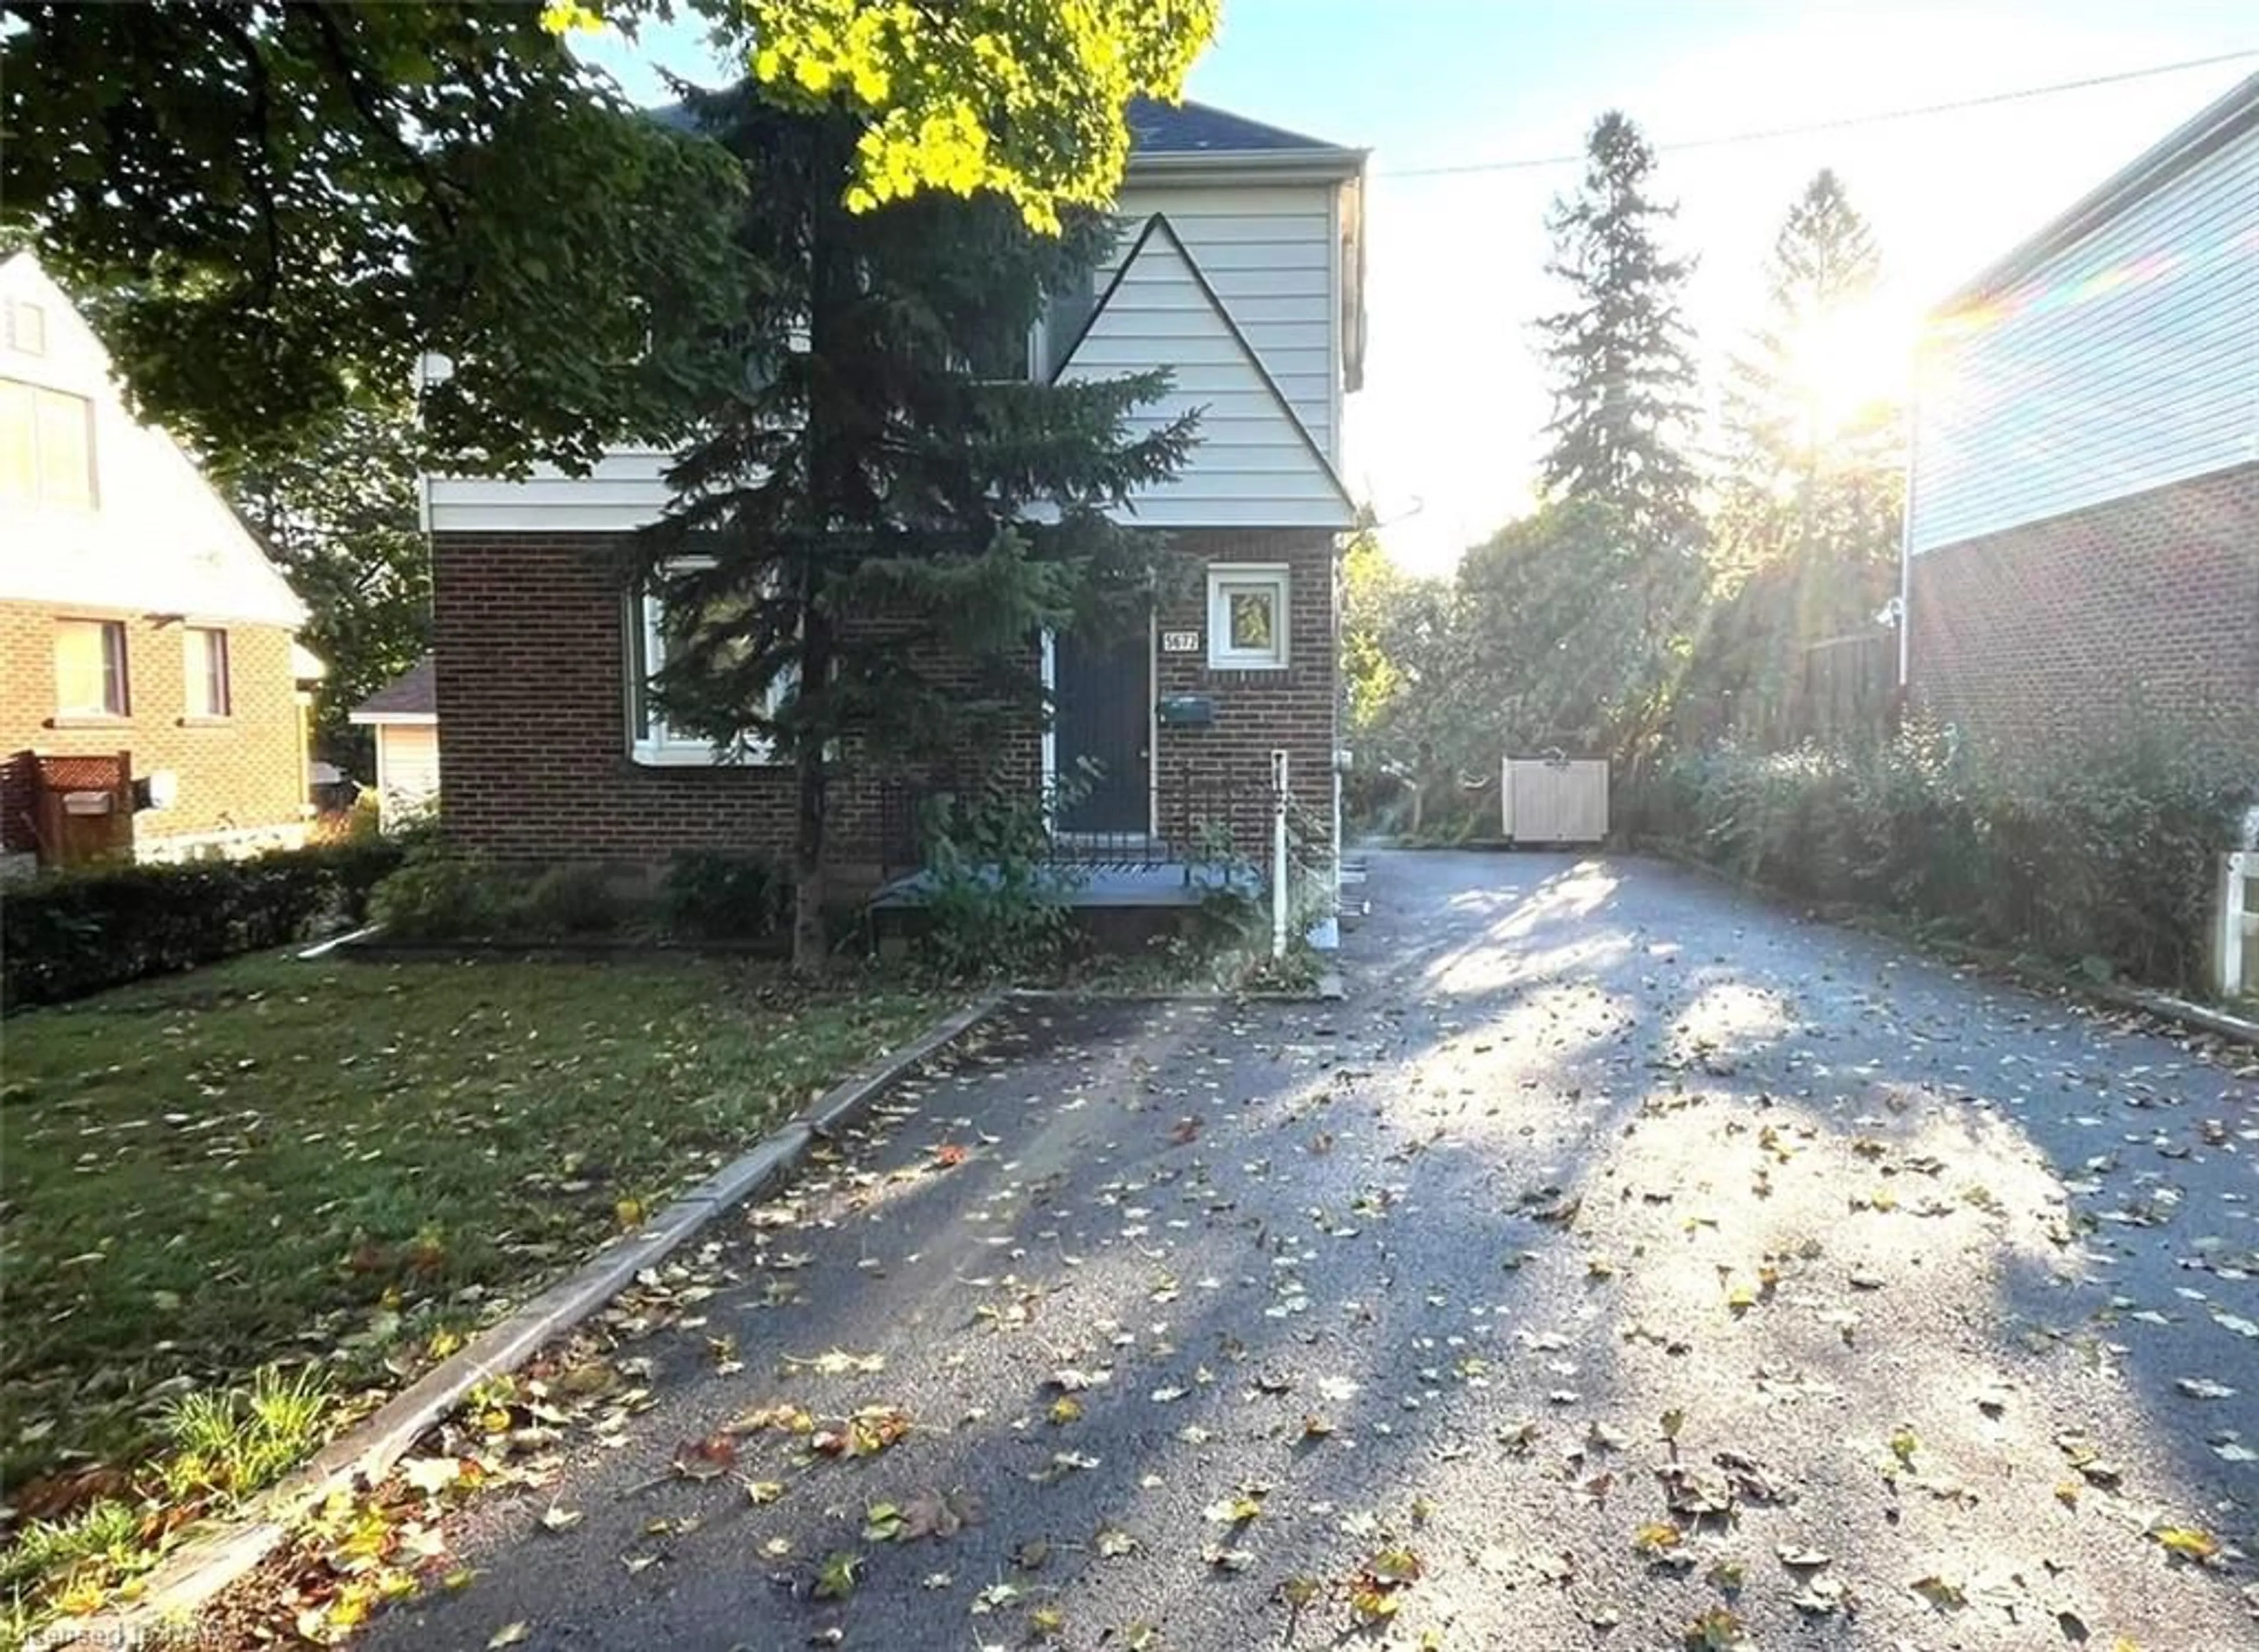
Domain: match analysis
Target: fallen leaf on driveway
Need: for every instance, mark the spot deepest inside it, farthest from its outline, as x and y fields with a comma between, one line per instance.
x=1940, y=1593
x=431, y=1475
x=1716, y=1630
x=707, y=1459
x=2204, y=1388
x=510, y=1634
x=2189, y=1542
x=838, y=1362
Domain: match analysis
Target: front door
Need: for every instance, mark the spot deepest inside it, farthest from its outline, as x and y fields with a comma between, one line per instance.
x=1103, y=692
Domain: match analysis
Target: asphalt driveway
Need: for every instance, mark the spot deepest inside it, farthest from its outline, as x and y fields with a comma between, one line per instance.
x=1626, y=1264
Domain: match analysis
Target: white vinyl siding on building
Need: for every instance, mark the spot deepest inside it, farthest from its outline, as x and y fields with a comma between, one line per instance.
x=97, y=508
x=1269, y=252
x=627, y=489
x=1254, y=465
x=407, y=772
x=2128, y=361
x=1270, y=249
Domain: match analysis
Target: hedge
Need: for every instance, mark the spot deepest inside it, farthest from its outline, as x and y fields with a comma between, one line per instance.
x=2103, y=856
x=77, y=932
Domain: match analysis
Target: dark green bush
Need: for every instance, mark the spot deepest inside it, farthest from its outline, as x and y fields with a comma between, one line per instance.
x=572, y=900
x=443, y=895
x=2104, y=857
x=726, y=895
x=994, y=895
x=75, y=933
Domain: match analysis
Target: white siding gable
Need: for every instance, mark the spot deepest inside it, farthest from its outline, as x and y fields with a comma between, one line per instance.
x=1271, y=253
x=2126, y=361
x=1256, y=463
x=157, y=538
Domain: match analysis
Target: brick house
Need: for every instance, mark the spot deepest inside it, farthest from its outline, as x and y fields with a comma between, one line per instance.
x=152, y=695
x=2082, y=545
x=1239, y=266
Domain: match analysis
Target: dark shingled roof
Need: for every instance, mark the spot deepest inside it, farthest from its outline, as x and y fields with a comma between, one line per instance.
x=1188, y=128
x=1155, y=129
x=410, y=694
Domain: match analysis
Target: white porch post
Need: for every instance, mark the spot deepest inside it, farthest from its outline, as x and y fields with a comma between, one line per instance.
x=1279, y=868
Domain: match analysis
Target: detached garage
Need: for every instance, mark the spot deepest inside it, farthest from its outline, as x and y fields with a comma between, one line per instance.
x=405, y=713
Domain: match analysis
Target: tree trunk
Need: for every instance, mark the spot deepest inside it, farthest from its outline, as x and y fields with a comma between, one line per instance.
x=811, y=950
x=830, y=290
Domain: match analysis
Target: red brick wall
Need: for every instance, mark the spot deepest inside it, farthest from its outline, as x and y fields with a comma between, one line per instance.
x=1255, y=711
x=530, y=640
x=246, y=772
x=532, y=668
x=2145, y=608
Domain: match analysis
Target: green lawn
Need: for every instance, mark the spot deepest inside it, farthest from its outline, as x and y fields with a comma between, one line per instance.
x=272, y=1160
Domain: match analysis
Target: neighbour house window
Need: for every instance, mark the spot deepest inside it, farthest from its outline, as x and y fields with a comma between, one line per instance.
x=652, y=739
x=206, y=669
x=1246, y=617
x=27, y=327
x=90, y=668
x=46, y=446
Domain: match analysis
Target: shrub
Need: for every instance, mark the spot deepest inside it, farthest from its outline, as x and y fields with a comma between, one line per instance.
x=443, y=895
x=77, y=932
x=994, y=898
x=722, y=893
x=569, y=900
x=2102, y=858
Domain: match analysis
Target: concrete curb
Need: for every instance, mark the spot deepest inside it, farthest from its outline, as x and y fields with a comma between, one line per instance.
x=2205, y=1018
x=1331, y=987
x=199, y=1569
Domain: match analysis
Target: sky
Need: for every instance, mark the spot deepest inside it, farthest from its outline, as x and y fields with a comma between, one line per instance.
x=1444, y=439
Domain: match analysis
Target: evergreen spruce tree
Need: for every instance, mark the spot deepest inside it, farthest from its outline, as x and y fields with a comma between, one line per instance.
x=1623, y=370
x=1807, y=536
x=1595, y=593
x=880, y=521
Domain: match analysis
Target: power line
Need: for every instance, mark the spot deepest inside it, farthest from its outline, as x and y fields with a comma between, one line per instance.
x=1881, y=118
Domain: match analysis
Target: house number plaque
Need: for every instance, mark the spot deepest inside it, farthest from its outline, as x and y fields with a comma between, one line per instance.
x=1180, y=642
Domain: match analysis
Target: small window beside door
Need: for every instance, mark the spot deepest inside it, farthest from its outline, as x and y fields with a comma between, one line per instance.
x=210, y=694
x=90, y=668
x=1247, y=616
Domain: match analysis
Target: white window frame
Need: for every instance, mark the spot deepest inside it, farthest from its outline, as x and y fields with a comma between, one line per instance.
x=117, y=670
x=650, y=742
x=36, y=400
x=199, y=676
x=27, y=327
x=1225, y=579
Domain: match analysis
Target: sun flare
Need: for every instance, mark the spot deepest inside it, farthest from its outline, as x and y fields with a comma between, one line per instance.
x=1850, y=357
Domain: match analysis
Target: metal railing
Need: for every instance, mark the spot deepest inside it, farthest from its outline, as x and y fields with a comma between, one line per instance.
x=1205, y=820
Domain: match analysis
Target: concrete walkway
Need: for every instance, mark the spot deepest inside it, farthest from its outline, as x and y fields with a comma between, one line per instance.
x=1623, y=1257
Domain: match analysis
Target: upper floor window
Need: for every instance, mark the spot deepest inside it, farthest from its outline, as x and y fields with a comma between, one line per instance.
x=23, y=327
x=209, y=692
x=652, y=738
x=90, y=668
x=47, y=445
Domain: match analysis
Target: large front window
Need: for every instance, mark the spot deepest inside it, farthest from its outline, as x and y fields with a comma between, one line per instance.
x=652, y=738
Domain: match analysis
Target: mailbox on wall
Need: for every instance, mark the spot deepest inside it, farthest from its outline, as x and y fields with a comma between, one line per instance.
x=1186, y=711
